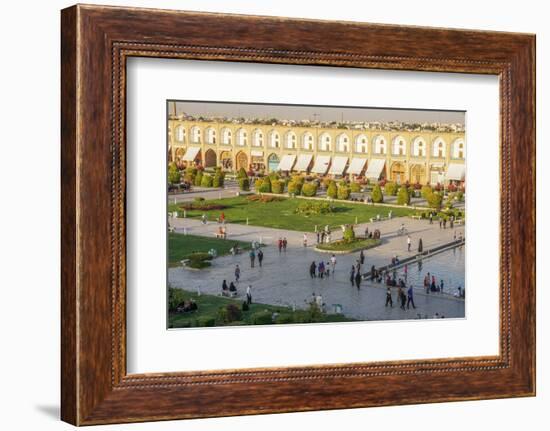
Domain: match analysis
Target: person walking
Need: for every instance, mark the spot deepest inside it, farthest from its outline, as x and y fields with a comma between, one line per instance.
x=249, y=294
x=285, y=242
x=237, y=273
x=322, y=237
x=431, y=218
x=400, y=297
x=280, y=245
x=410, y=299
x=333, y=263
x=304, y=240
x=225, y=288
x=318, y=237
x=389, y=300
x=352, y=275
x=260, y=257
x=358, y=279
x=321, y=269
x=362, y=257
x=408, y=243
x=312, y=269
x=441, y=286
x=440, y=222
x=252, y=258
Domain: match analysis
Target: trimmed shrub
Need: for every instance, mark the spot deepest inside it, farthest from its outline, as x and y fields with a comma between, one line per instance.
x=206, y=321
x=332, y=190
x=207, y=180
x=425, y=191
x=403, y=197
x=390, y=189
x=308, y=208
x=343, y=192
x=349, y=234
x=218, y=180
x=355, y=187
x=229, y=313
x=309, y=189
x=198, y=178
x=244, y=184
x=434, y=200
x=258, y=184
x=294, y=188
x=175, y=298
x=277, y=186
x=298, y=179
x=265, y=187
x=376, y=194
x=174, y=175
x=242, y=173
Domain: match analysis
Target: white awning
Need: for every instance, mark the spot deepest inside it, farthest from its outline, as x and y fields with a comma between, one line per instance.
x=321, y=165
x=456, y=172
x=287, y=162
x=338, y=165
x=375, y=168
x=356, y=166
x=256, y=153
x=191, y=154
x=303, y=162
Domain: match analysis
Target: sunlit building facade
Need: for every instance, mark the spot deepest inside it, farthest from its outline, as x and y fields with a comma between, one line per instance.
x=425, y=156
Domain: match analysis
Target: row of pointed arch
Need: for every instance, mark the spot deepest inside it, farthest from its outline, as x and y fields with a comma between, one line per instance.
x=418, y=147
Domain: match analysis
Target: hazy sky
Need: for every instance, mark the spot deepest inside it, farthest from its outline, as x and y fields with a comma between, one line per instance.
x=321, y=113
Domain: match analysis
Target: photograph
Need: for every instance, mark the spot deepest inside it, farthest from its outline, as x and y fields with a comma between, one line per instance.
x=304, y=214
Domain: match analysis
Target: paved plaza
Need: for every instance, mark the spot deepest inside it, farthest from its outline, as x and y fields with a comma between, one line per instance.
x=284, y=277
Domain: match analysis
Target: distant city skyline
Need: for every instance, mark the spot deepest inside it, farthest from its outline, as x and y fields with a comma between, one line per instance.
x=314, y=113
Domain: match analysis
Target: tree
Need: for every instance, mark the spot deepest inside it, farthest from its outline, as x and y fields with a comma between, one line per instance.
x=434, y=200
x=244, y=184
x=349, y=233
x=206, y=181
x=242, y=173
x=425, y=191
x=174, y=174
x=219, y=178
x=376, y=194
x=390, y=189
x=277, y=186
x=198, y=178
x=343, y=192
x=403, y=197
x=265, y=187
x=332, y=190
x=294, y=188
x=355, y=187
x=309, y=189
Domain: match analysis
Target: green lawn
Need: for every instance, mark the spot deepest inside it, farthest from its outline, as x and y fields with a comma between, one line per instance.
x=281, y=215
x=180, y=246
x=208, y=313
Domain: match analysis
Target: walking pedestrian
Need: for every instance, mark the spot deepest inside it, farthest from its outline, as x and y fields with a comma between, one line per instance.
x=252, y=258
x=410, y=299
x=305, y=240
x=260, y=257
x=312, y=268
x=444, y=223
x=431, y=218
x=285, y=242
x=237, y=273
x=362, y=257
x=400, y=297
x=333, y=263
x=249, y=294
x=408, y=243
x=389, y=300
x=280, y=245
x=440, y=222
x=441, y=286
x=352, y=275
x=225, y=288
x=358, y=279
x=318, y=237
x=321, y=269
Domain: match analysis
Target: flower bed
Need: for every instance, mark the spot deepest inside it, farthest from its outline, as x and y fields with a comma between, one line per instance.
x=343, y=246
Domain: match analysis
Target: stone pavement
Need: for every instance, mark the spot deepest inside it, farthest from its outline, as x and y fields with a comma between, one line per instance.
x=284, y=278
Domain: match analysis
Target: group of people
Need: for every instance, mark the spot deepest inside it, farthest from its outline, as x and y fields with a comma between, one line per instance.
x=430, y=284
x=324, y=236
x=187, y=306
x=231, y=290
x=281, y=245
x=252, y=254
x=404, y=300
x=322, y=270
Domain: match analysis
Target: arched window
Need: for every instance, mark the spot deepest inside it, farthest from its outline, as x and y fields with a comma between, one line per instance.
x=419, y=147
x=398, y=146
x=307, y=141
x=290, y=140
x=258, y=138
x=226, y=136
x=210, y=135
x=458, y=149
x=180, y=134
x=241, y=137
x=325, y=143
x=195, y=134
x=274, y=139
x=361, y=144
x=380, y=145
x=439, y=148
x=342, y=143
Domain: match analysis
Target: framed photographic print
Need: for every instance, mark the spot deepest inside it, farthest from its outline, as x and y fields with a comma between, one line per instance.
x=322, y=214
